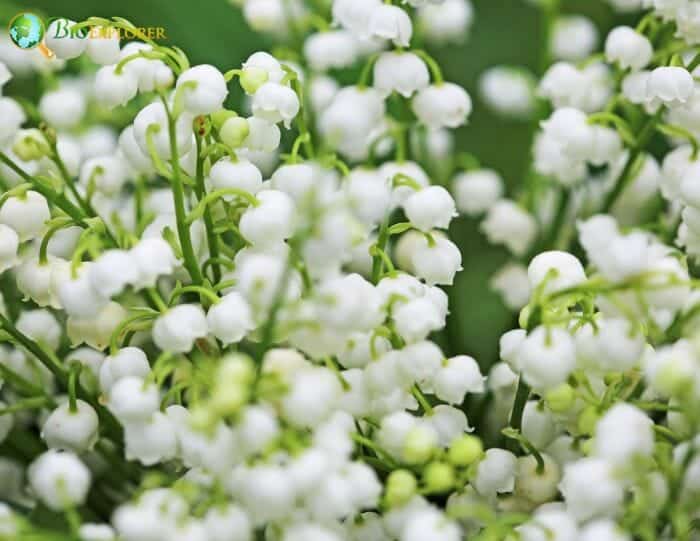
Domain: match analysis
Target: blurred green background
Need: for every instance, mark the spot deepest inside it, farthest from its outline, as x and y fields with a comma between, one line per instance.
x=504, y=32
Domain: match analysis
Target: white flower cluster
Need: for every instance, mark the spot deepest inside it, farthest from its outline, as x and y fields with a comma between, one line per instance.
x=225, y=325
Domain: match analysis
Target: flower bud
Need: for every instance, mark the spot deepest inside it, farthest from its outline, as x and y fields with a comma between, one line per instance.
x=30, y=145
x=401, y=485
x=438, y=477
x=420, y=445
x=234, y=131
x=560, y=399
x=465, y=450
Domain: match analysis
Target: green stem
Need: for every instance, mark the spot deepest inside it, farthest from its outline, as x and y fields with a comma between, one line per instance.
x=43, y=247
x=72, y=381
x=203, y=291
x=432, y=66
x=516, y=417
x=58, y=199
x=212, y=239
x=183, y=230
x=420, y=397
x=33, y=403
x=624, y=179
x=377, y=260
x=114, y=339
x=107, y=419
x=212, y=197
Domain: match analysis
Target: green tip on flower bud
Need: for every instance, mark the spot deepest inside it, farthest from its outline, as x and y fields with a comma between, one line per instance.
x=465, y=450
x=229, y=399
x=561, y=398
x=419, y=446
x=220, y=117
x=202, y=418
x=587, y=420
x=253, y=78
x=234, y=131
x=30, y=145
x=672, y=380
x=401, y=485
x=236, y=369
x=438, y=477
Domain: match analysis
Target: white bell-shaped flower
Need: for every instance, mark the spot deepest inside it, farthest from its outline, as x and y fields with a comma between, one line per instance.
x=230, y=319
x=205, y=89
x=391, y=23
x=241, y=174
x=670, y=85
x=59, y=479
x=629, y=48
x=177, y=329
x=65, y=42
x=436, y=261
x=546, y=357
x=456, y=377
x=127, y=362
x=442, y=105
x=68, y=430
x=334, y=49
x=276, y=102
x=153, y=257
x=271, y=222
x=555, y=271
x=133, y=400
x=106, y=174
x=103, y=45
x=13, y=117
x=26, y=214
x=112, y=272
x=401, y=72
x=430, y=208
x=155, y=115
x=9, y=244
x=63, y=108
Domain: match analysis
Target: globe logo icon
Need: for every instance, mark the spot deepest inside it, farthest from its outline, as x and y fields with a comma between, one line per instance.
x=26, y=30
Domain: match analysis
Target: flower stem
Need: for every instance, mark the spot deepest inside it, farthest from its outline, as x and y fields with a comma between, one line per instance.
x=183, y=230
x=624, y=179
x=200, y=190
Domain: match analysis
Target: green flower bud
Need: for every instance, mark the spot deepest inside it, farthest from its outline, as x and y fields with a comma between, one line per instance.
x=438, y=477
x=465, y=450
x=227, y=400
x=30, y=145
x=219, y=117
x=202, y=417
x=419, y=446
x=672, y=380
x=587, y=420
x=400, y=487
x=234, y=131
x=253, y=78
x=561, y=398
x=235, y=369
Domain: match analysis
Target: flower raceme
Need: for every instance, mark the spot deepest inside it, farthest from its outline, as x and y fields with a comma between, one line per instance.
x=223, y=324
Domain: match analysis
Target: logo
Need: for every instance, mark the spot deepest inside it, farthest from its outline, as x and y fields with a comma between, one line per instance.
x=27, y=31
